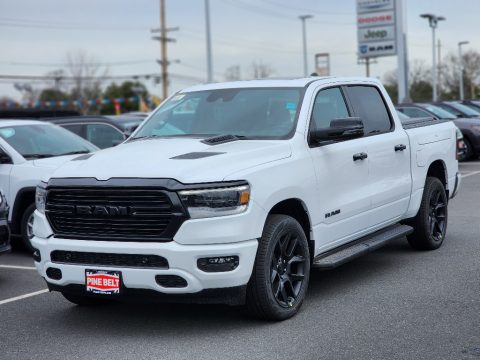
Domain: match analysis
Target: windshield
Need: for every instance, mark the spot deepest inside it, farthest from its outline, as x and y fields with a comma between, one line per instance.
x=465, y=109
x=44, y=140
x=253, y=113
x=439, y=112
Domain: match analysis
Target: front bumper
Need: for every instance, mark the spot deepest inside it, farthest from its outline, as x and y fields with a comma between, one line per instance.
x=182, y=260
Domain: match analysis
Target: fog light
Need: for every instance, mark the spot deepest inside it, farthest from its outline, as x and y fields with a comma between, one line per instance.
x=54, y=273
x=36, y=255
x=218, y=264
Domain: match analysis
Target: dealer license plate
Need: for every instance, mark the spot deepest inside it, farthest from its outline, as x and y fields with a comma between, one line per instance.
x=102, y=282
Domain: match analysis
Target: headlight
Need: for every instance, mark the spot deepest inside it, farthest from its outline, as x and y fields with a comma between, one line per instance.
x=476, y=129
x=40, y=198
x=216, y=202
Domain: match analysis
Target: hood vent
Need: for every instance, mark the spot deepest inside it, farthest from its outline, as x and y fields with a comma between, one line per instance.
x=195, y=155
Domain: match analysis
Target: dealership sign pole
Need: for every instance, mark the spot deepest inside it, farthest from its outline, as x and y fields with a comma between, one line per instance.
x=380, y=32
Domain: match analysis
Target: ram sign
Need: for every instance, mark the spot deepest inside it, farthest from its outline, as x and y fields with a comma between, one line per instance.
x=376, y=30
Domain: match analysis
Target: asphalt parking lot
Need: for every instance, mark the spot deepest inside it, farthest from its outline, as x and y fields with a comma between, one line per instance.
x=395, y=303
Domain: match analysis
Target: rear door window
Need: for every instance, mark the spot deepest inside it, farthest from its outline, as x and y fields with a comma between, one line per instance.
x=368, y=104
x=103, y=135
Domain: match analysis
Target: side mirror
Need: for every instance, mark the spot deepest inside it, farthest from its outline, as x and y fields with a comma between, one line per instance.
x=5, y=158
x=340, y=129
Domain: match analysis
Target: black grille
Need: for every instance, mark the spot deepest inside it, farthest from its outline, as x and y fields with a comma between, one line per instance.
x=107, y=259
x=110, y=213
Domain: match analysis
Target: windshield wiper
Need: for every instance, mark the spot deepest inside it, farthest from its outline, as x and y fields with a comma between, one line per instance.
x=37, y=156
x=74, y=152
x=220, y=139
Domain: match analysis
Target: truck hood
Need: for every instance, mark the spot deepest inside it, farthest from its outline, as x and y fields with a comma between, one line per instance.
x=184, y=159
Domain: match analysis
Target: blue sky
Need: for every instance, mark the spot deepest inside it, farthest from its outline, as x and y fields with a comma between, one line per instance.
x=36, y=35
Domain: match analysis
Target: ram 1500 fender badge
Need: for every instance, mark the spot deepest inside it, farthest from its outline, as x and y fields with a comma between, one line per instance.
x=333, y=213
x=101, y=210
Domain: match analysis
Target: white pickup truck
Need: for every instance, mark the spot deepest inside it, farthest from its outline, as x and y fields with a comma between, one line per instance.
x=29, y=151
x=231, y=192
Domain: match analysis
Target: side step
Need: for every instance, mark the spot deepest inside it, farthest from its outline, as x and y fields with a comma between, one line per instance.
x=364, y=245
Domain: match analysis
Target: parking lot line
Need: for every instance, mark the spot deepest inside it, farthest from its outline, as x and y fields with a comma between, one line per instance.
x=470, y=174
x=16, y=298
x=18, y=267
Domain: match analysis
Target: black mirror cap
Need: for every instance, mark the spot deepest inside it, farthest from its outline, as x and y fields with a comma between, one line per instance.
x=340, y=129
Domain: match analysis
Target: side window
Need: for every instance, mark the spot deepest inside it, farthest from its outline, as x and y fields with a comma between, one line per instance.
x=329, y=105
x=368, y=104
x=104, y=136
x=76, y=129
x=415, y=113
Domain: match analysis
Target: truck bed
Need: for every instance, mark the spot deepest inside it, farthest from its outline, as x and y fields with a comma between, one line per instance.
x=421, y=122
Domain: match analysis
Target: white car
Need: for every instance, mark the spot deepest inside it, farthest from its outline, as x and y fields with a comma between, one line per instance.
x=231, y=192
x=29, y=151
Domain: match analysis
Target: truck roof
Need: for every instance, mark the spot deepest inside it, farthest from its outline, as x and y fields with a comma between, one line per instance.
x=270, y=83
x=14, y=122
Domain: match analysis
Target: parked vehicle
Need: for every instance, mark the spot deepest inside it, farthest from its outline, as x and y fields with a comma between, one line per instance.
x=470, y=127
x=4, y=229
x=35, y=113
x=457, y=109
x=472, y=104
x=102, y=131
x=29, y=151
x=238, y=189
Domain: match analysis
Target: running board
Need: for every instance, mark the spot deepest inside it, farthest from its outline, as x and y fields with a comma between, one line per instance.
x=364, y=245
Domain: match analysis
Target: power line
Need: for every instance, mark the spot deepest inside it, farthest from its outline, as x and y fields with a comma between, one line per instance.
x=112, y=63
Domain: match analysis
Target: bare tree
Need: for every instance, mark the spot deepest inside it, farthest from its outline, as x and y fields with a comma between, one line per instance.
x=419, y=80
x=233, y=73
x=471, y=73
x=87, y=76
x=260, y=70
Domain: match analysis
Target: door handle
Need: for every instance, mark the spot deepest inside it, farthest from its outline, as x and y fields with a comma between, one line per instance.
x=400, y=147
x=360, y=156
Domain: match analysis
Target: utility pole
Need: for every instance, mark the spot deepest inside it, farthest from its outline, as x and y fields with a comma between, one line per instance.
x=439, y=68
x=460, y=62
x=367, y=67
x=163, y=48
x=433, y=22
x=209, y=42
x=304, y=35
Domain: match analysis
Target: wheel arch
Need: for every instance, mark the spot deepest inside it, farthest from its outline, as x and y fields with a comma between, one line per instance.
x=24, y=198
x=438, y=169
x=297, y=209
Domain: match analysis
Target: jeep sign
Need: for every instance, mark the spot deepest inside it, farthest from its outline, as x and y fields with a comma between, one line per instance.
x=376, y=28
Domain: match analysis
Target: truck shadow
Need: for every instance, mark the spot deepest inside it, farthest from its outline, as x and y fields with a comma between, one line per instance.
x=154, y=319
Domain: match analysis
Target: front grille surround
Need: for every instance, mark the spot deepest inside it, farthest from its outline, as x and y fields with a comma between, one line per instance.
x=114, y=213
x=144, y=261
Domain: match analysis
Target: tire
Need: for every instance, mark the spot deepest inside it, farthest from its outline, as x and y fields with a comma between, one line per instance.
x=468, y=154
x=83, y=300
x=280, y=275
x=26, y=227
x=430, y=224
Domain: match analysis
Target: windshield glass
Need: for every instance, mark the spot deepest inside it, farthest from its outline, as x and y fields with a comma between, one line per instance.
x=44, y=140
x=439, y=112
x=255, y=113
x=465, y=109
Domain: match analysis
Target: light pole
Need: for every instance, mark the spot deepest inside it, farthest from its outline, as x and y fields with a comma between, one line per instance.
x=209, y=42
x=304, y=34
x=433, y=22
x=460, y=60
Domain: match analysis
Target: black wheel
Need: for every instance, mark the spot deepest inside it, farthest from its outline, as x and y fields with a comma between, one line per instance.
x=430, y=224
x=281, y=272
x=468, y=153
x=26, y=227
x=83, y=300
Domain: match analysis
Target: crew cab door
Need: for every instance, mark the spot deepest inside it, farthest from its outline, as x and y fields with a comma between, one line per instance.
x=342, y=198
x=388, y=150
